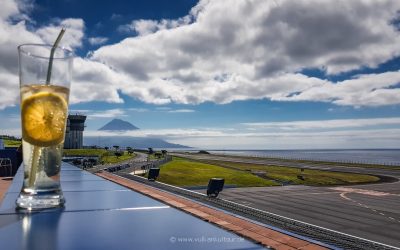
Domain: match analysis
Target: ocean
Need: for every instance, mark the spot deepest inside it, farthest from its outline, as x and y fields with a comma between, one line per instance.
x=367, y=156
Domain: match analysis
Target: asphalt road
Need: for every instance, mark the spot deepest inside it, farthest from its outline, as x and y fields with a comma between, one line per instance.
x=136, y=162
x=368, y=211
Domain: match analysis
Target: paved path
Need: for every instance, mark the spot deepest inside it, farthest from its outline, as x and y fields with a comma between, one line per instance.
x=369, y=211
x=4, y=184
x=136, y=162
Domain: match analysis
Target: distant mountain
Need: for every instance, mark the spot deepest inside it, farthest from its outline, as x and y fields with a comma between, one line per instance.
x=125, y=141
x=118, y=125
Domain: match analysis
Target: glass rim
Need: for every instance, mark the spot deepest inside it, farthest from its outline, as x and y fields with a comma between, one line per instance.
x=21, y=49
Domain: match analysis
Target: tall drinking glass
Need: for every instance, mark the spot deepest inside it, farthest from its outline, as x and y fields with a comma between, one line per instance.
x=44, y=91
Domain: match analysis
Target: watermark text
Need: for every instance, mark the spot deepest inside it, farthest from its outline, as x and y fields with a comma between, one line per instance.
x=205, y=239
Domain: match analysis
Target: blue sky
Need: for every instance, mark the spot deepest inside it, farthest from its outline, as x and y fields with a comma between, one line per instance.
x=104, y=18
x=222, y=74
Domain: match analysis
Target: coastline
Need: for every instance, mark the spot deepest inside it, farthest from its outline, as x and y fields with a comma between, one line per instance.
x=387, y=157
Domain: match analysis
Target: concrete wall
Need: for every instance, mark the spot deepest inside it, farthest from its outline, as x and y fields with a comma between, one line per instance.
x=73, y=139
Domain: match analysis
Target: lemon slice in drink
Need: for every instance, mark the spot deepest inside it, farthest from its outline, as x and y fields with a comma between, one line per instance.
x=43, y=119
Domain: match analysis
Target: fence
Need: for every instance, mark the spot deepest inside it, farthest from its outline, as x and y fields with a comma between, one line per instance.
x=6, y=167
x=331, y=159
x=15, y=157
x=144, y=168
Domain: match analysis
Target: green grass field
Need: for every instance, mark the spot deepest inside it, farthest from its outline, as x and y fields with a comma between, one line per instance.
x=311, y=176
x=12, y=143
x=181, y=172
x=84, y=152
x=105, y=156
x=114, y=159
x=185, y=172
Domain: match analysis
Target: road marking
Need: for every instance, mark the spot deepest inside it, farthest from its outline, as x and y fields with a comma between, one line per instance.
x=287, y=194
x=362, y=191
x=343, y=195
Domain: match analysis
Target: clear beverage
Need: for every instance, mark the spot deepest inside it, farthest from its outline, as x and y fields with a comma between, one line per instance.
x=44, y=111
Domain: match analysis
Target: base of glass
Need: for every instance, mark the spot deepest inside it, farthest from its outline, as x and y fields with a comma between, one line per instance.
x=40, y=201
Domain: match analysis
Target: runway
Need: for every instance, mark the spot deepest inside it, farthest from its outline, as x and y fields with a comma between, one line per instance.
x=371, y=215
x=369, y=211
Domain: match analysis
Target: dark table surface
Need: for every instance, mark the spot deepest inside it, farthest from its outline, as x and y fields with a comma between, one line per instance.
x=100, y=214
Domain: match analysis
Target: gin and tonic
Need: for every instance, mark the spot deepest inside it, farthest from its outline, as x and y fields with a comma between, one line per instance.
x=44, y=112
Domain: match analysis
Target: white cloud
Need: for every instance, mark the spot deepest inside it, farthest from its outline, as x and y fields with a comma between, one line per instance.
x=9, y=90
x=144, y=27
x=118, y=112
x=324, y=134
x=14, y=31
x=141, y=110
x=162, y=133
x=8, y=8
x=95, y=114
x=108, y=113
x=181, y=111
x=97, y=40
x=326, y=124
x=94, y=81
x=71, y=39
x=341, y=139
x=363, y=90
x=222, y=52
x=255, y=49
x=223, y=138
x=370, y=133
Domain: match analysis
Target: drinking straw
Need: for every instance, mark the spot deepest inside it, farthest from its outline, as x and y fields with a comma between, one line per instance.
x=53, y=49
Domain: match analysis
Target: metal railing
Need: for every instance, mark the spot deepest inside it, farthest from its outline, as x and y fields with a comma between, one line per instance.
x=6, y=163
x=305, y=157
